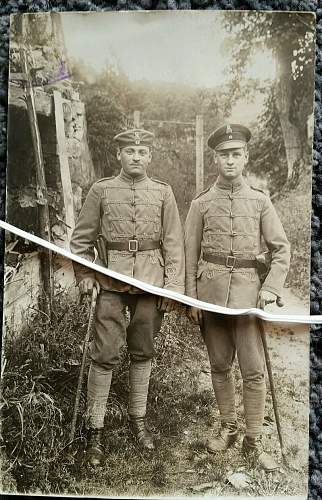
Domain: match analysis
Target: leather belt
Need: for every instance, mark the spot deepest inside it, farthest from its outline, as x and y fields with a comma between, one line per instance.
x=133, y=245
x=229, y=261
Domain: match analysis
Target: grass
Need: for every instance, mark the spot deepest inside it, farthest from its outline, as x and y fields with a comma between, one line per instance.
x=38, y=390
x=294, y=209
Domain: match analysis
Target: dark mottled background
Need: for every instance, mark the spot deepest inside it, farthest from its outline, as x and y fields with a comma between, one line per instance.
x=13, y=6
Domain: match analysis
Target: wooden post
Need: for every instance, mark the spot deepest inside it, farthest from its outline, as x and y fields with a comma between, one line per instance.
x=199, y=154
x=63, y=163
x=41, y=189
x=136, y=119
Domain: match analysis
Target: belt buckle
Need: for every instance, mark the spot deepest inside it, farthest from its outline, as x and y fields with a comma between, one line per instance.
x=233, y=258
x=133, y=245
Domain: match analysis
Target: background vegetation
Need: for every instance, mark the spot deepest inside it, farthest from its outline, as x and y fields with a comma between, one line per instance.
x=280, y=150
x=40, y=366
x=38, y=392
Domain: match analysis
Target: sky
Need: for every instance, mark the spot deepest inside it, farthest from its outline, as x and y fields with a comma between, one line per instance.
x=164, y=46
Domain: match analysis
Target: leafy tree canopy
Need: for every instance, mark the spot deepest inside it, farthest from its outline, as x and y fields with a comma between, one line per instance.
x=282, y=140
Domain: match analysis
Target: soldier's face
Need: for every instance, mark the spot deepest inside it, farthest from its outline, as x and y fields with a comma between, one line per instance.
x=135, y=159
x=231, y=162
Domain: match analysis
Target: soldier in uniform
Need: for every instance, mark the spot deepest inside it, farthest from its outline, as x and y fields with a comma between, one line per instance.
x=143, y=238
x=225, y=228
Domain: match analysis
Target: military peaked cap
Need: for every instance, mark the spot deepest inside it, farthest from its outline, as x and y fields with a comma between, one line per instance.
x=229, y=136
x=134, y=137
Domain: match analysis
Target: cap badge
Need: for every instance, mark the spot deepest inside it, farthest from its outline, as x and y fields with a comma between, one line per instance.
x=229, y=130
x=137, y=138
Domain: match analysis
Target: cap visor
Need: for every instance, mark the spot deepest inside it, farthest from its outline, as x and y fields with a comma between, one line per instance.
x=230, y=145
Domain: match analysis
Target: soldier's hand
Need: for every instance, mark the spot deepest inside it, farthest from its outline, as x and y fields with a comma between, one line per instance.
x=86, y=286
x=264, y=298
x=195, y=315
x=165, y=304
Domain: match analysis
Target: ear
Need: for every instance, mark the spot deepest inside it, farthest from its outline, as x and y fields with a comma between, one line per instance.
x=118, y=154
x=150, y=155
x=215, y=158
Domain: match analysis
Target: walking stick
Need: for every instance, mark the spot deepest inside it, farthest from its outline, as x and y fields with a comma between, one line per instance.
x=81, y=372
x=271, y=382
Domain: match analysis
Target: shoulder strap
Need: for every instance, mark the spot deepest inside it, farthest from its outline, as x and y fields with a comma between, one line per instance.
x=158, y=180
x=202, y=192
x=105, y=179
x=257, y=189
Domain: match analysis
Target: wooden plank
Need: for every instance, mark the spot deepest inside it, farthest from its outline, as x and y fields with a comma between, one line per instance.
x=170, y=121
x=64, y=164
x=199, y=154
x=43, y=101
x=17, y=76
x=43, y=209
x=136, y=119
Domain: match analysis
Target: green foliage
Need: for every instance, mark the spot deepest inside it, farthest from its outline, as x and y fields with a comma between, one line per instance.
x=39, y=379
x=267, y=148
x=111, y=100
x=279, y=31
x=38, y=391
x=289, y=98
x=294, y=209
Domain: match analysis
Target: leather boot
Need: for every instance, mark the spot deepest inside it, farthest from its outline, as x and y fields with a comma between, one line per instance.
x=252, y=449
x=141, y=433
x=225, y=438
x=95, y=449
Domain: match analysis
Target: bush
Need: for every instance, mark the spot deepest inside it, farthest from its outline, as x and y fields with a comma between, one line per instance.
x=294, y=209
x=37, y=388
x=38, y=392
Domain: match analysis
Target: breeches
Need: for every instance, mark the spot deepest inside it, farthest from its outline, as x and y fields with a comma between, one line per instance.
x=225, y=336
x=111, y=331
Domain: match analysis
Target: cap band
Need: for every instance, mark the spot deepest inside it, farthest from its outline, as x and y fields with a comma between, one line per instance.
x=134, y=137
x=230, y=145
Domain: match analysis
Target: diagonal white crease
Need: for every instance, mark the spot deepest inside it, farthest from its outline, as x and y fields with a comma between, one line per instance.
x=185, y=299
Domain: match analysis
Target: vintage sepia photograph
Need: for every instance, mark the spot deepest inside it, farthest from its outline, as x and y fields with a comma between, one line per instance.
x=174, y=148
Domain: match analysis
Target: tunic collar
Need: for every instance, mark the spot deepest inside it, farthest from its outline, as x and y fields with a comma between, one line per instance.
x=131, y=180
x=234, y=185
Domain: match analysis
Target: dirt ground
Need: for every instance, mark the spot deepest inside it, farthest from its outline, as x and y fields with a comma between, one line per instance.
x=189, y=471
x=183, y=414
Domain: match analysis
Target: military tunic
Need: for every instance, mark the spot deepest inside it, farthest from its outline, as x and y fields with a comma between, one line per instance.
x=125, y=208
x=122, y=209
x=230, y=219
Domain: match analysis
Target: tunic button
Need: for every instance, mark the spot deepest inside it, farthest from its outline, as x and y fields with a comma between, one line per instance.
x=133, y=203
x=230, y=196
x=133, y=219
x=231, y=215
x=133, y=188
x=233, y=234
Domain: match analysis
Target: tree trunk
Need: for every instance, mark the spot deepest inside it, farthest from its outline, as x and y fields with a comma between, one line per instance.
x=294, y=133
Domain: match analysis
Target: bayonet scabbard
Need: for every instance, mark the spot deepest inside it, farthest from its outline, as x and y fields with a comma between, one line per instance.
x=101, y=249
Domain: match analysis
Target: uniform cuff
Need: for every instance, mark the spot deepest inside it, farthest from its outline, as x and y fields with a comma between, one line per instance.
x=175, y=288
x=267, y=288
x=81, y=272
